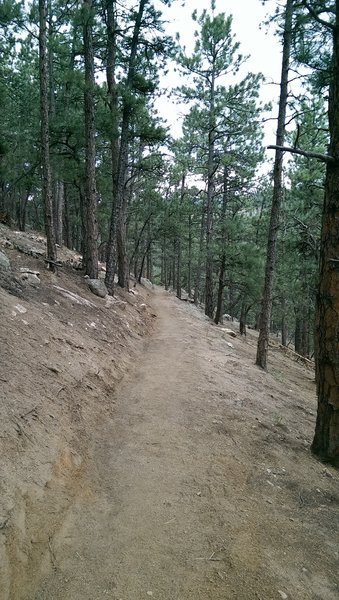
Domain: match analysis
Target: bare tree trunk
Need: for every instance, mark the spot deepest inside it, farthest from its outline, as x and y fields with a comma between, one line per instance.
x=90, y=258
x=143, y=262
x=165, y=277
x=59, y=204
x=174, y=264
x=221, y=284
x=297, y=334
x=113, y=99
x=200, y=256
x=67, y=222
x=326, y=439
x=209, y=301
x=149, y=262
x=121, y=196
x=243, y=315
x=21, y=210
x=178, y=240
x=189, y=261
x=284, y=331
x=45, y=157
x=266, y=304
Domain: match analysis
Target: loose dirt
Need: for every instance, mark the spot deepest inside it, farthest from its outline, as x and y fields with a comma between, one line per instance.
x=190, y=479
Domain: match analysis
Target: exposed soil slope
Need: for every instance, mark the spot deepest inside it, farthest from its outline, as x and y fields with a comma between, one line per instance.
x=190, y=479
x=62, y=352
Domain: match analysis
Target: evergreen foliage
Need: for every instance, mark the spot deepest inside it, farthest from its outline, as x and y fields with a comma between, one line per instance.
x=191, y=214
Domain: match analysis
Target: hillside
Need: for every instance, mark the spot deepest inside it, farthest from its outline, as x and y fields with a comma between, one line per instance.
x=144, y=455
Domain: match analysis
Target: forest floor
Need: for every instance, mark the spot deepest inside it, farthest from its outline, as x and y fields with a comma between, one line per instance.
x=143, y=455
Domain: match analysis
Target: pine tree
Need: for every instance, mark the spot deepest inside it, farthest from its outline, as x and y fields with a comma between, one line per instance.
x=266, y=305
x=45, y=140
x=214, y=113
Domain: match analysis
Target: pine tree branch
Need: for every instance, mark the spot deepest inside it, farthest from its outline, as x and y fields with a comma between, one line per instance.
x=314, y=14
x=326, y=158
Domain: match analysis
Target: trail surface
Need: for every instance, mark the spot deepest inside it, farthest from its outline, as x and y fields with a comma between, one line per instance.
x=192, y=490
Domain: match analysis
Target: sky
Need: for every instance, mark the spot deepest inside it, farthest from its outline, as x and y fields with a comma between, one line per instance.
x=260, y=42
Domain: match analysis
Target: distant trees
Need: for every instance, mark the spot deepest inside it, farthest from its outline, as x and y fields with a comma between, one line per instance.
x=88, y=159
x=225, y=120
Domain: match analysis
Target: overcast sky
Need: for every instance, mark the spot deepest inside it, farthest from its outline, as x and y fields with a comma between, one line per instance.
x=257, y=41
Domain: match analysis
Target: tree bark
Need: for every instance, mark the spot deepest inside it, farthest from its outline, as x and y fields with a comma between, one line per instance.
x=90, y=259
x=178, y=240
x=44, y=119
x=189, y=261
x=209, y=301
x=266, y=305
x=326, y=439
x=59, y=203
x=149, y=261
x=284, y=331
x=297, y=334
x=222, y=270
x=113, y=99
x=121, y=197
x=197, y=281
x=243, y=317
x=221, y=285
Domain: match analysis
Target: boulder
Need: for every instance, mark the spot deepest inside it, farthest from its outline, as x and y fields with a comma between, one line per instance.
x=28, y=270
x=30, y=278
x=229, y=332
x=4, y=262
x=97, y=287
x=227, y=317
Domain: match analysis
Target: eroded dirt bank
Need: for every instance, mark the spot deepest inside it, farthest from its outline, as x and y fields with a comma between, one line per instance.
x=62, y=352
x=198, y=483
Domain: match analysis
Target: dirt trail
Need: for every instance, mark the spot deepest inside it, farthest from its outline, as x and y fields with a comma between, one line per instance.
x=189, y=492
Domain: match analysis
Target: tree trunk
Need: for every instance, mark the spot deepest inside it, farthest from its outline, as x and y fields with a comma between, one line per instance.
x=113, y=99
x=209, y=301
x=178, y=266
x=59, y=210
x=178, y=240
x=143, y=262
x=189, y=261
x=266, y=305
x=165, y=278
x=326, y=439
x=21, y=210
x=45, y=157
x=284, y=331
x=197, y=282
x=243, y=315
x=221, y=285
x=297, y=334
x=220, y=298
x=174, y=264
x=90, y=258
x=121, y=197
x=67, y=222
x=149, y=262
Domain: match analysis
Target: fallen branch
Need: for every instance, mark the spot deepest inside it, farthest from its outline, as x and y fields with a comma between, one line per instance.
x=297, y=357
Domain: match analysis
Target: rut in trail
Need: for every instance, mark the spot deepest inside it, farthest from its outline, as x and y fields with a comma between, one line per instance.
x=171, y=507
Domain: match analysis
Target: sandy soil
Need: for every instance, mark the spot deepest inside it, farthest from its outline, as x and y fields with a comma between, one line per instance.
x=190, y=479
